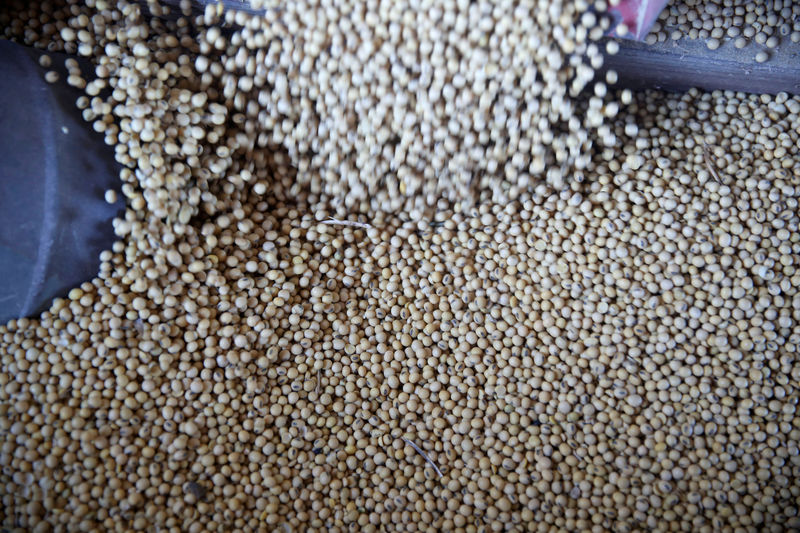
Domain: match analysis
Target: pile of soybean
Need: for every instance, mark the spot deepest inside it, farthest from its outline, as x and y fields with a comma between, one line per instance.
x=408, y=266
x=762, y=25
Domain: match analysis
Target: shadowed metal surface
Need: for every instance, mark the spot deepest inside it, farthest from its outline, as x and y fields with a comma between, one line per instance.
x=54, y=221
x=683, y=64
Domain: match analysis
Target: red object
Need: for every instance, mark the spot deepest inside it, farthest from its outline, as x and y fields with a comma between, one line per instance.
x=637, y=15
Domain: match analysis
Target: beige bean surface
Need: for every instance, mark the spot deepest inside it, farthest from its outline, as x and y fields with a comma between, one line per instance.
x=282, y=342
x=730, y=23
